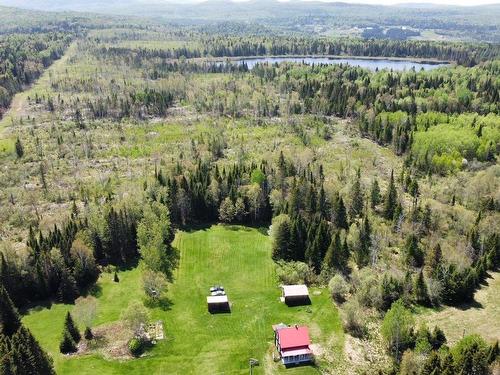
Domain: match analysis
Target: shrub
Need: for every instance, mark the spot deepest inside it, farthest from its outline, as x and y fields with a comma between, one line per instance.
x=136, y=346
x=397, y=329
x=339, y=288
x=88, y=334
x=470, y=355
x=294, y=273
x=353, y=319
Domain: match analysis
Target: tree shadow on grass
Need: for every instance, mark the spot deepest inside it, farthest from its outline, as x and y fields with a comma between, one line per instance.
x=94, y=291
x=163, y=303
x=36, y=306
x=197, y=227
x=470, y=305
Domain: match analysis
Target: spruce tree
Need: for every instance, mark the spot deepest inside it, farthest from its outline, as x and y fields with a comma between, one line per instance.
x=67, y=345
x=335, y=256
x=33, y=358
x=67, y=291
x=339, y=213
x=323, y=208
x=70, y=326
x=88, y=333
x=391, y=198
x=493, y=353
x=316, y=251
x=447, y=365
x=434, y=259
x=19, y=148
x=357, y=197
x=432, y=365
x=363, y=251
x=375, y=194
x=9, y=317
x=297, y=243
x=420, y=290
x=281, y=237
x=413, y=254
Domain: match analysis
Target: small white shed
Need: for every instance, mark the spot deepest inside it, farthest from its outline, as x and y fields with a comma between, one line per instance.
x=218, y=304
x=295, y=294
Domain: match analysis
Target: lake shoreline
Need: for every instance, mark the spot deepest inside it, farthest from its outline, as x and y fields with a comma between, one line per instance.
x=333, y=57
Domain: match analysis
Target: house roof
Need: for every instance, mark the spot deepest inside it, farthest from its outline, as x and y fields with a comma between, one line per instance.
x=293, y=337
x=295, y=290
x=217, y=299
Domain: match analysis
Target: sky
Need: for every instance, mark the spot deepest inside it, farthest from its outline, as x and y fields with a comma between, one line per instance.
x=391, y=2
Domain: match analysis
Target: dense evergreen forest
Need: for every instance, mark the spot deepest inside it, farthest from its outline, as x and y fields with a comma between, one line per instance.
x=379, y=187
x=23, y=58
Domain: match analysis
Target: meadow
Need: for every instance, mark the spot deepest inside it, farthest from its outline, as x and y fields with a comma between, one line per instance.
x=196, y=341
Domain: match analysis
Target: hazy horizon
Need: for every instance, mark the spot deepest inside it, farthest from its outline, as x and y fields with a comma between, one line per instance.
x=372, y=2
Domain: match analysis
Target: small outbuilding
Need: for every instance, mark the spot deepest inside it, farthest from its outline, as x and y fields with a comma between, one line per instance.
x=218, y=304
x=293, y=344
x=295, y=295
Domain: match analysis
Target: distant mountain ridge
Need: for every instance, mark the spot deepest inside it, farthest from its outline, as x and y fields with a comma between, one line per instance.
x=311, y=17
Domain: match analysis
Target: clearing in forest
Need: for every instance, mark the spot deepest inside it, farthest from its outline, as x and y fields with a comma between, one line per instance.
x=195, y=341
x=480, y=317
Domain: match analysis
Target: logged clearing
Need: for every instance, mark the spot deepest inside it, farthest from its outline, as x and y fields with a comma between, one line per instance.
x=196, y=342
x=481, y=317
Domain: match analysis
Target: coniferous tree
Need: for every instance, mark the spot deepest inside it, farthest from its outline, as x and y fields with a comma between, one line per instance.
x=9, y=317
x=67, y=291
x=335, y=257
x=391, y=199
x=365, y=242
x=357, y=197
x=323, y=208
x=20, y=353
x=434, y=259
x=493, y=353
x=413, y=254
x=297, y=243
x=67, y=344
x=281, y=237
x=88, y=333
x=375, y=194
x=19, y=148
x=420, y=290
x=437, y=338
x=316, y=250
x=432, y=364
x=447, y=365
x=339, y=213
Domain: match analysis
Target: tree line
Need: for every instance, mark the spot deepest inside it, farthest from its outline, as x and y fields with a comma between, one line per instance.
x=241, y=46
x=23, y=57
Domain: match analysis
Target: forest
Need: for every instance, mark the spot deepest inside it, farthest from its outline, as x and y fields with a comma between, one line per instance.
x=378, y=188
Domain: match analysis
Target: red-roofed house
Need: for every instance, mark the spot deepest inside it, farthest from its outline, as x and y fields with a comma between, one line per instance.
x=293, y=344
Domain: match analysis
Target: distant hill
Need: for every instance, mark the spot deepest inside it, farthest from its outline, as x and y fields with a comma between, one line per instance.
x=450, y=22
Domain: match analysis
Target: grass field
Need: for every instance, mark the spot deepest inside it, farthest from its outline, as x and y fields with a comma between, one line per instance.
x=197, y=342
x=481, y=317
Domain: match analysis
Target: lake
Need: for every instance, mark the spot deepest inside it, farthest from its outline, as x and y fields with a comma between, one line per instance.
x=371, y=64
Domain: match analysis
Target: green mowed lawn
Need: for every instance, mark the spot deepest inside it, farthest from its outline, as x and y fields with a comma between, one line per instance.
x=197, y=342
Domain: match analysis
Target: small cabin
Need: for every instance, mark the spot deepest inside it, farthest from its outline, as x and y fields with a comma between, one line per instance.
x=295, y=295
x=218, y=304
x=293, y=344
